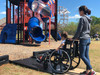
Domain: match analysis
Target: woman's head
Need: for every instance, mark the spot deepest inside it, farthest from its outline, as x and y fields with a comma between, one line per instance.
x=83, y=10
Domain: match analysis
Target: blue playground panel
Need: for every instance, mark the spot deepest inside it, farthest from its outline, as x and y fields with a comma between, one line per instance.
x=8, y=34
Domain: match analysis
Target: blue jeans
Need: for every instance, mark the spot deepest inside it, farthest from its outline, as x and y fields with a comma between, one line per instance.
x=84, y=52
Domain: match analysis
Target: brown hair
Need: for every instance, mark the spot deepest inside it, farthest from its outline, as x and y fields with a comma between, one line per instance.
x=85, y=10
x=64, y=34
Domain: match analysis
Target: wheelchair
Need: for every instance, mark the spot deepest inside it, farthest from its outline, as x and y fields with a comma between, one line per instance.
x=67, y=58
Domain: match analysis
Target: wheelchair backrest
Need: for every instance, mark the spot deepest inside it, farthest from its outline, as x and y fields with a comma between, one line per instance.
x=69, y=44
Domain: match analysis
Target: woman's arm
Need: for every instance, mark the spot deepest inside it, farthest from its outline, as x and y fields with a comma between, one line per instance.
x=79, y=29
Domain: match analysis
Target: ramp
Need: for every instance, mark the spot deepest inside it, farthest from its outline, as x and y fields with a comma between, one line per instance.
x=4, y=59
x=32, y=64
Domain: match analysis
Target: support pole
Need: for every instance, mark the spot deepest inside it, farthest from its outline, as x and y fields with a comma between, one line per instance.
x=18, y=24
x=46, y=31
x=6, y=11
x=13, y=14
x=24, y=23
x=49, y=29
x=10, y=12
x=56, y=15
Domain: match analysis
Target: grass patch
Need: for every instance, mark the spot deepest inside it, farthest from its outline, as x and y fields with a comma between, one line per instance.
x=10, y=69
x=94, y=56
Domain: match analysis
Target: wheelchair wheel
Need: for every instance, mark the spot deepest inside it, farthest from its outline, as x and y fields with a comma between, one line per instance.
x=75, y=62
x=59, y=61
x=75, y=59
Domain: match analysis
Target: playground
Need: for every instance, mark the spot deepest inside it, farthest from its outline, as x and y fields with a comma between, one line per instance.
x=29, y=37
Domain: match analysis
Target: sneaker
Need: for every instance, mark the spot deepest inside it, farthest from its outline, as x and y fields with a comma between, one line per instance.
x=84, y=73
x=92, y=73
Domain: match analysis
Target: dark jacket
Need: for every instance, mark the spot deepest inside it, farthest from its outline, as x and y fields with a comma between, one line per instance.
x=83, y=30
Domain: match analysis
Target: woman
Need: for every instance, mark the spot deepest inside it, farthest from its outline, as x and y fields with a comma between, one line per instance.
x=83, y=34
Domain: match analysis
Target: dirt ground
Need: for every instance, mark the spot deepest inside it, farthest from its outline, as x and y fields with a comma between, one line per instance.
x=22, y=51
x=25, y=50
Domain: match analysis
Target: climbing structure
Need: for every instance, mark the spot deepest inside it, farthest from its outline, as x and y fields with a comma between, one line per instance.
x=24, y=19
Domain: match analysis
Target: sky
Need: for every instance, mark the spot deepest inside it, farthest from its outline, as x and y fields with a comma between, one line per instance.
x=70, y=5
x=73, y=5
x=2, y=9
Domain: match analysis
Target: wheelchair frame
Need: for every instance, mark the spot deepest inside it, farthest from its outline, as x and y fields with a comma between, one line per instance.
x=70, y=57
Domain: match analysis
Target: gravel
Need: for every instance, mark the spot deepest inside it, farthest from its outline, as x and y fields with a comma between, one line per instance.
x=16, y=52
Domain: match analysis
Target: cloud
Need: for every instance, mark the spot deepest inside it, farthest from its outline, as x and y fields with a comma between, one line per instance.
x=3, y=13
x=78, y=7
x=74, y=17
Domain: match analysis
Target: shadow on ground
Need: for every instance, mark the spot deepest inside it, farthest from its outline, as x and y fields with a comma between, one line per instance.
x=71, y=73
x=33, y=45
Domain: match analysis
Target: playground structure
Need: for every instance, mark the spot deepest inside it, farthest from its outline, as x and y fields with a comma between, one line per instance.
x=24, y=19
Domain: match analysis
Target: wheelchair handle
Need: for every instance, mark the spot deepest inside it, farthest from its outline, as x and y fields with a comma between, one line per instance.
x=72, y=42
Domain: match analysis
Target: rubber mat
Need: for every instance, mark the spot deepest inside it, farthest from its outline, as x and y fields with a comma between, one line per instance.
x=4, y=59
x=32, y=64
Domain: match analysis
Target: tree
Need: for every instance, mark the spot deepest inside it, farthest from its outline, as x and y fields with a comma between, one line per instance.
x=70, y=28
x=95, y=29
x=95, y=20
